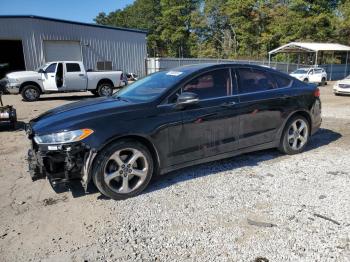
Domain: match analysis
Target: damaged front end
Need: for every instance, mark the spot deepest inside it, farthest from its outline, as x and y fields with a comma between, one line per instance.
x=60, y=163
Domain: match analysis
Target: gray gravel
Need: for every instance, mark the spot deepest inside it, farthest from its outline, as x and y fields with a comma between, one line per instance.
x=263, y=206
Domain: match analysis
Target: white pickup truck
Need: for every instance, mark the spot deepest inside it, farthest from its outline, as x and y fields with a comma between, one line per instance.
x=62, y=76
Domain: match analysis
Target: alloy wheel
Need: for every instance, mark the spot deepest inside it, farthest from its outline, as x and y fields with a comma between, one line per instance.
x=106, y=90
x=31, y=93
x=126, y=170
x=298, y=133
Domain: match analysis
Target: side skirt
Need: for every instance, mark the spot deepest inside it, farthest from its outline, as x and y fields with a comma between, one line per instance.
x=272, y=144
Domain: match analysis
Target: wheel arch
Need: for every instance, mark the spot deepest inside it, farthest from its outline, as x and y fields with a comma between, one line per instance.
x=24, y=84
x=141, y=139
x=302, y=113
x=105, y=80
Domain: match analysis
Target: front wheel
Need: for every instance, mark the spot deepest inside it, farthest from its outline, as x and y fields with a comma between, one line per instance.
x=30, y=93
x=123, y=169
x=295, y=136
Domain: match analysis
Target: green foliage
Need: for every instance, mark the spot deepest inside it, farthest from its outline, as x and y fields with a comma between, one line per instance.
x=232, y=28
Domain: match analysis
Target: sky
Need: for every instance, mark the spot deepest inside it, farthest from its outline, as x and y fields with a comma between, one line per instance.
x=74, y=10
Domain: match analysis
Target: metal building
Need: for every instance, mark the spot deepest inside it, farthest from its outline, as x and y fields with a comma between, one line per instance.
x=26, y=42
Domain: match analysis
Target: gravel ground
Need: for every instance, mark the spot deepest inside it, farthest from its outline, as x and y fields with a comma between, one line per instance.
x=262, y=206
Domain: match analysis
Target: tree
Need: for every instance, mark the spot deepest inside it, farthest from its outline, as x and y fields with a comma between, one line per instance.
x=232, y=28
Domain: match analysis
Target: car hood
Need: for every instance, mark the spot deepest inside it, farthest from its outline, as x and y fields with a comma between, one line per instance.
x=344, y=81
x=78, y=114
x=22, y=74
x=298, y=75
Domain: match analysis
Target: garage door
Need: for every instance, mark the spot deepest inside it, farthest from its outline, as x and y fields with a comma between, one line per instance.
x=62, y=51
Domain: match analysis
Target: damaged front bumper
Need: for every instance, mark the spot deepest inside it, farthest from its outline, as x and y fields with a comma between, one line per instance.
x=61, y=163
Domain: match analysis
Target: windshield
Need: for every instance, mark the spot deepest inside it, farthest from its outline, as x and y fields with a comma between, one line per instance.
x=300, y=71
x=150, y=87
x=42, y=67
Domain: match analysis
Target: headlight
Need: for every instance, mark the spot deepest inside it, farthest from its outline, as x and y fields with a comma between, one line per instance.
x=12, y=80
x=64, y=137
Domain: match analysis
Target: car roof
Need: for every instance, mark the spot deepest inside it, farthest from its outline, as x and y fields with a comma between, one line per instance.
x=307, y=68
x=204, y=66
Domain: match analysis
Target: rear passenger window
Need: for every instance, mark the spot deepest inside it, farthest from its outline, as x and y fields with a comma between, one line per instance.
x=282, y=82
x=253, y=80
x=73, y=67
x=210, y=85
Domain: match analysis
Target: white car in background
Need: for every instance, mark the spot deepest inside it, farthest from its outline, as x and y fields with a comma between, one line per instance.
x=311, y=74
x=342, y=86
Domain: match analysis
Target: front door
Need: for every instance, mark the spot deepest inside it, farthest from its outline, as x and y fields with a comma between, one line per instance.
x=261, y=105
x=75, y=78
x=210, y=127
x=49, y=78
x=316, y=77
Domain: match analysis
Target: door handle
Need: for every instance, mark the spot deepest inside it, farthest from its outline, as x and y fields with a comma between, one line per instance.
x=229, y=104
x=81, y=75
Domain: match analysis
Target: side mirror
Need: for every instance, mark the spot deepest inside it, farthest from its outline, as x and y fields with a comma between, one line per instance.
x=42, y=71
x=186, y=99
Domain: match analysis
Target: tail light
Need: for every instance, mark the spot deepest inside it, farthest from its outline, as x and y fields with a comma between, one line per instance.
x=317, y=92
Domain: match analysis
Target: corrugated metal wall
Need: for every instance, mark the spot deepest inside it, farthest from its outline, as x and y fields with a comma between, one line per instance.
x=126, y=49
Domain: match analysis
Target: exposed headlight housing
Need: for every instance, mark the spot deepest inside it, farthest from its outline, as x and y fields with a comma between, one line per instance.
x=64, y=137
x=12, y=80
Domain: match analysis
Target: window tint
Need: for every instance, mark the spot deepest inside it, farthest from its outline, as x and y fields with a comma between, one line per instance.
x=252, y=80
x=73, y=67
x=209, y=85
x=318, y=71
x=51, y=68
x=282, y=81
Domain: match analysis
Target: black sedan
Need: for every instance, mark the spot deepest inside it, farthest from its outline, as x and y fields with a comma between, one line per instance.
x=170, y=120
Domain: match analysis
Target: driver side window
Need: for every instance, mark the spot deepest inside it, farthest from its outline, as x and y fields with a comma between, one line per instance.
x=51, y=68
x=212, y=84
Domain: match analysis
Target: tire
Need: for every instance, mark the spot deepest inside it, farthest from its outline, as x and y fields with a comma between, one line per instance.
x=30, y=93
x=117, y=181
x=306, y=80
x=292, y=133
x=323, y=81
x=105, y=89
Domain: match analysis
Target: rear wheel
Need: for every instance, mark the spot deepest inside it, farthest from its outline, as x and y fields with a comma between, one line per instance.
x=306, y=80
x=123, y=169
x=295, y=135
x=323, y=81
x=30, y=93
x=105, y=89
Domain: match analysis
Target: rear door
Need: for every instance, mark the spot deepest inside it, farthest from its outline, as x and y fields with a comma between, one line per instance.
x=263, y=97
x=210, y=127
x=75, y=77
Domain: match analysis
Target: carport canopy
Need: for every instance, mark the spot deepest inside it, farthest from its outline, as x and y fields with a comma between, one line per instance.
x=300, y=47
